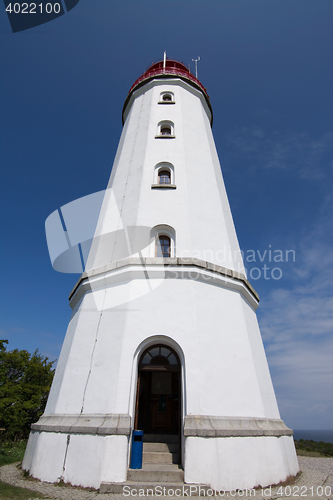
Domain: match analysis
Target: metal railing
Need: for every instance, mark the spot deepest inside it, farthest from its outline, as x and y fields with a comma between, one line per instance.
x=168, y=71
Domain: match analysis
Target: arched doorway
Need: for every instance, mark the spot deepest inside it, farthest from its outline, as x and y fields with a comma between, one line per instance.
x=158, y=391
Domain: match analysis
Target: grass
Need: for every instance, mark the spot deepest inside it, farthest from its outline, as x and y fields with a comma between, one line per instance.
x=9, y=453
x=9, y=492
x=310, y=448
x=12, y=451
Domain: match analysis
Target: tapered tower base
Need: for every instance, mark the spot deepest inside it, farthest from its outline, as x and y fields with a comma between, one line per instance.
x=243, y=462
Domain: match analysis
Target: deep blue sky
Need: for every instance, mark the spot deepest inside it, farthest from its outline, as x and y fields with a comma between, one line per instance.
x=267, y=66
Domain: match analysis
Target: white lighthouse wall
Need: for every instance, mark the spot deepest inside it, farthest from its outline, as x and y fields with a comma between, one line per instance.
x=262, y=371
x=239, y=462
x=91, y=357
x=86, y=460
x=199, y=185
x=45, y=455
x=216, y=329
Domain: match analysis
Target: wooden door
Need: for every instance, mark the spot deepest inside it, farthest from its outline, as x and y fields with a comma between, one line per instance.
x=164, y=405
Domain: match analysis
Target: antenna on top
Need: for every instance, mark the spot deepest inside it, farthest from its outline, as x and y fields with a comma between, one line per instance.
x=164, y=60
x=196, y=66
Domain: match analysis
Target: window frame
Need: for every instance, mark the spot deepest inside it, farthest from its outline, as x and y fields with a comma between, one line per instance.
x=166, y=130
x=162, y=230
x=159, y=168
x=160, y=347
x=165, y=124
x=162, y=172
x=167, y=93
x=157, y=238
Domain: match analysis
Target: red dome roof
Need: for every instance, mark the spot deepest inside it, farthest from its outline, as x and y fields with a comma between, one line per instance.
x=171, y=69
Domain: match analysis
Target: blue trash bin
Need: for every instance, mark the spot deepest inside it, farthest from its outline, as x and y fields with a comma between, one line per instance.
x=137, y=446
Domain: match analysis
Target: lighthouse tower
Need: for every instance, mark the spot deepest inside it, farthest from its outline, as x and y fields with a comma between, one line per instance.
x=163, y=336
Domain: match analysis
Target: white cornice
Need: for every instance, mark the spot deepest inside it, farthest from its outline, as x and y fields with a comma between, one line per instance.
x=168, y=268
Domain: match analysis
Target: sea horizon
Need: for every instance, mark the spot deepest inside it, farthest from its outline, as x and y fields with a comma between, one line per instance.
x=314, y=434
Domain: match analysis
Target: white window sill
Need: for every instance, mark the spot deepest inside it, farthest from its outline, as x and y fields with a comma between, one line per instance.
x=166, y=102
x=165, y=136
x=164, y=186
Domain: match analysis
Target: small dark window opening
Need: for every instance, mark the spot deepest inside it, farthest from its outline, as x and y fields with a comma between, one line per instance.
x=164, y=177
x=165, y=130
x=167, y=97
x=163, y=246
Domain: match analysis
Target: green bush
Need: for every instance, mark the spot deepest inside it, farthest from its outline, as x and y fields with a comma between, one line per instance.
x=25, y=381
x=321, y=447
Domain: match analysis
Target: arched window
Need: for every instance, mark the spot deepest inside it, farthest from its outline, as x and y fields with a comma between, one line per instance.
x=163, y=246
x=165, y=129
x=167, y=98
x=162, y=241
x=159, y=355
x=164, y=177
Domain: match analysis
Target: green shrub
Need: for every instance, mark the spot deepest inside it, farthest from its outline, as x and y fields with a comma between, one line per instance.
x=25, y=381
x=309, y=445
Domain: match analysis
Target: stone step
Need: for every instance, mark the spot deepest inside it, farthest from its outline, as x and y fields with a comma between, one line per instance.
x=163, y=447
x=161, y=438
x=159, y=457
x=172, y=489
x=157, y=473
x=133, y=488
